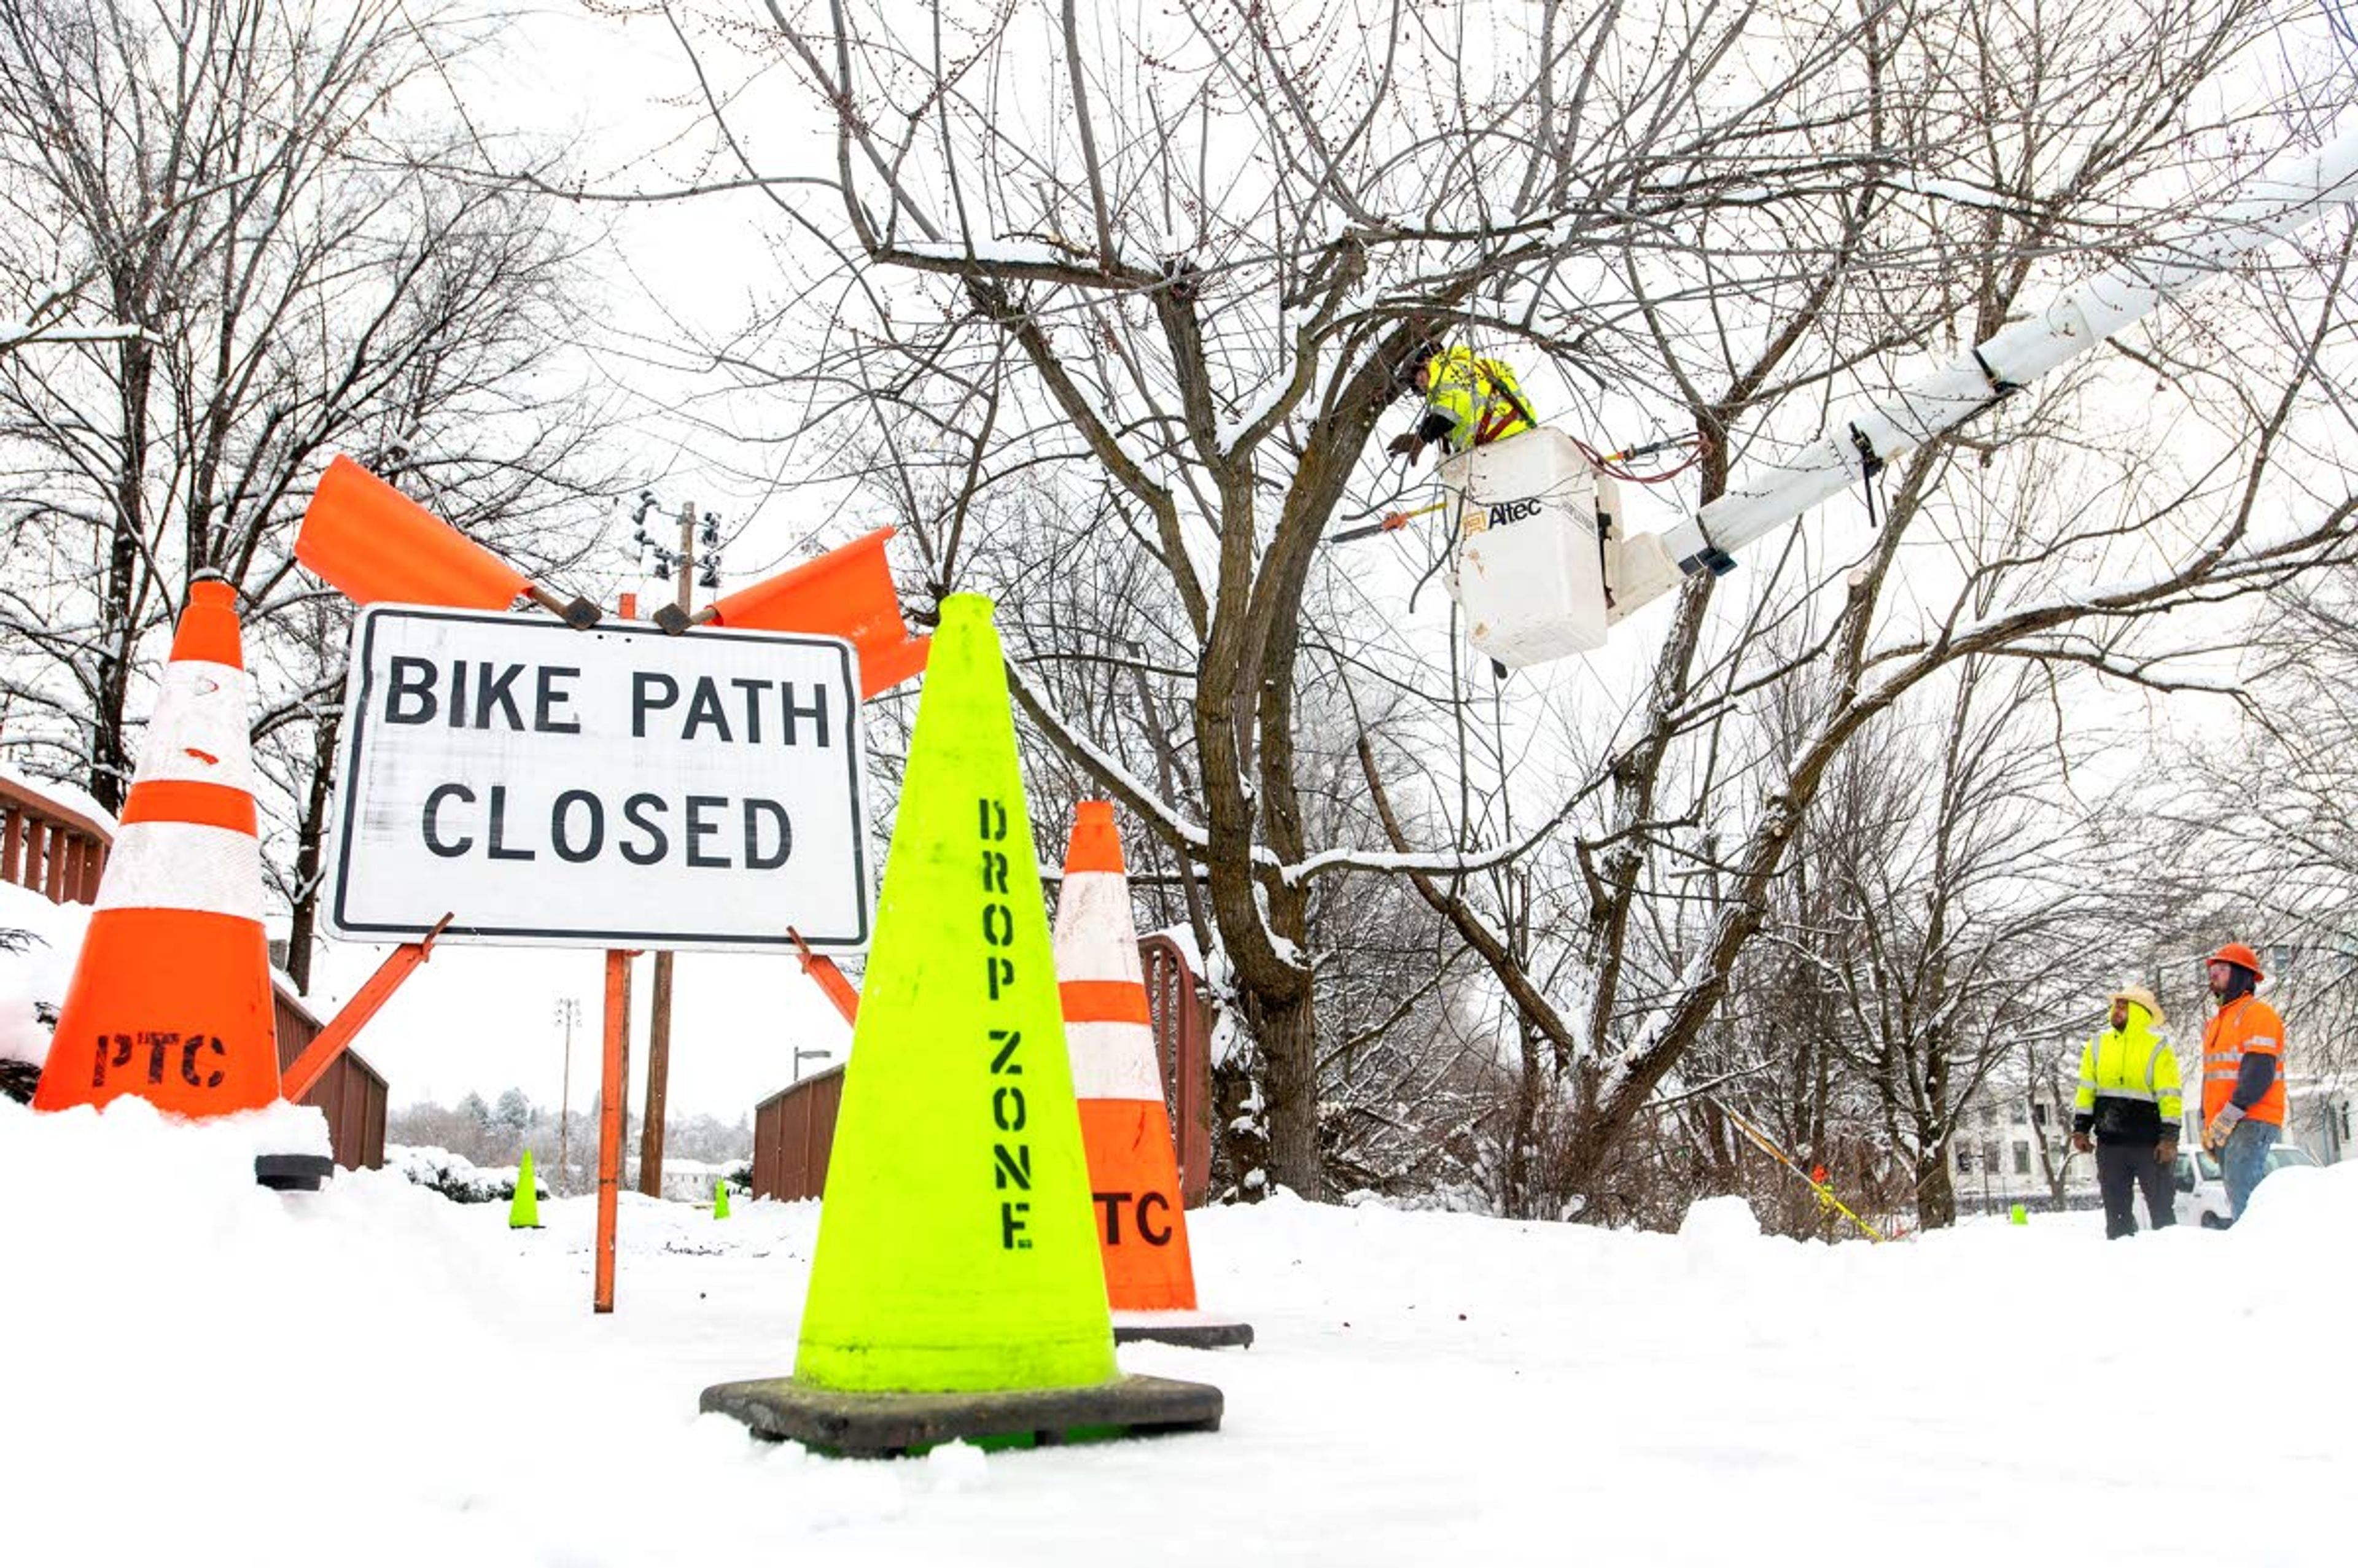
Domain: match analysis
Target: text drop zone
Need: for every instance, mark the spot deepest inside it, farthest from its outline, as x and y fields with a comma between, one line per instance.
x=580, y=825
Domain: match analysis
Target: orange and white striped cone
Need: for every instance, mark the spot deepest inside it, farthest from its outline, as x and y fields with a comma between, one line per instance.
x=170, y=999
x=1117, y=1079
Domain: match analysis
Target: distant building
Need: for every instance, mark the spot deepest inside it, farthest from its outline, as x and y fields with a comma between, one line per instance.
x=691, y=1181
x=2010, y=1144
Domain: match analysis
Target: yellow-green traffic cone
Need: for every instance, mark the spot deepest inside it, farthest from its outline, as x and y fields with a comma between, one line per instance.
x=955, y=1290
x=524, y=1212
x=720, y=1200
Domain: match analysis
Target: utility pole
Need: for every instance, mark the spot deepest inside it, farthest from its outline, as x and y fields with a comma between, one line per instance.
x=568, y=1013
x=651, y=1137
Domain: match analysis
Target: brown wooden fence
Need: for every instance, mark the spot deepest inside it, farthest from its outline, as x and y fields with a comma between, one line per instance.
x=49, y=847
x=794, y=1132
x=793, y=1129
x=58, y=851
x=351, y=1093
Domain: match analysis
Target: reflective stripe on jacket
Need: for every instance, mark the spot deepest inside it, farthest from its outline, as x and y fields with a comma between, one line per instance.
x=2247, y=1024
x=1477, y=397
x=2133, y=1064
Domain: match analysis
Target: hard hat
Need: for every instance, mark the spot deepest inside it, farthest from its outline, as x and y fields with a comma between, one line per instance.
x=2144, y=999
x=2238, y=954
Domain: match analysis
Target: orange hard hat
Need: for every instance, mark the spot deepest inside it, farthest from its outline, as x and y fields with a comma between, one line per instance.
x=2238, y=954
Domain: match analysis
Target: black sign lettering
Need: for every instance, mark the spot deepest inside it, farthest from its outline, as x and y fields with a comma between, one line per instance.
x=998, y=925
x=780, y=830
x=650, y=690
x=489, y=691
x=1005, y=1061
x=449, y=848
x=497, y=847
x=816, y=712
x=704, y=708
x=1007, y=1107
x=699, y=829
x=753, y=690
x=594, y=836
x=1012, y=1225
x=1013, y=1166
x=994, y=872
x=410, y=694
x=640, y=811
x=547, y=698
x=1002, y=975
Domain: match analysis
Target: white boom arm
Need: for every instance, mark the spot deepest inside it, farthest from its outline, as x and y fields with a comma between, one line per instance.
x=2271, y=205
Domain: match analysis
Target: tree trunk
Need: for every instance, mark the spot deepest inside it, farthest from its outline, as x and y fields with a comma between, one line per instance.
x=1936, y=1195
x=1288, y=1034
x=310, y=834
x=118, y=637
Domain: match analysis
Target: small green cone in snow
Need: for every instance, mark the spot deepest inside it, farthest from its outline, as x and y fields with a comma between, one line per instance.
x=720, y=1200
x=2020, y=1216
x=524, y=1212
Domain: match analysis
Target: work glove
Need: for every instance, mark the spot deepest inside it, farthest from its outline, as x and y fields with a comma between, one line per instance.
x=2165, y=1151
x=2083, y=1143
x=2215, y=1138
x=1408, y=445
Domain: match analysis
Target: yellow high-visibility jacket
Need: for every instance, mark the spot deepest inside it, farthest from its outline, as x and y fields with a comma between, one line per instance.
x=1470, y=402
x=2129, y=1087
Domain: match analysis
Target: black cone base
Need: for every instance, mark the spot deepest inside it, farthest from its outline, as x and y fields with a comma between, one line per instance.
x=293, y=1172
x=872, y=1426
x=1181, y=1328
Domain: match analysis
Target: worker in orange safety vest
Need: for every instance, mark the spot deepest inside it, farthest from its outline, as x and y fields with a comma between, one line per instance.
x=2243, y=1074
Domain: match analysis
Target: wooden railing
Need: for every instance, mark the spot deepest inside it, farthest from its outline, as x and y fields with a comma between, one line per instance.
x=49, y=848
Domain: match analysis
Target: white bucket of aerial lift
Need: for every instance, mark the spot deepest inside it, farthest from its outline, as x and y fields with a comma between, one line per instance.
x=1533, y=519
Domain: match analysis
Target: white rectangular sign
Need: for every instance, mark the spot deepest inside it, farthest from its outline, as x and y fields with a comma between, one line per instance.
x=608, y=788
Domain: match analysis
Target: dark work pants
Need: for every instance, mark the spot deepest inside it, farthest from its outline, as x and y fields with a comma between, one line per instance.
x=2120, y=1169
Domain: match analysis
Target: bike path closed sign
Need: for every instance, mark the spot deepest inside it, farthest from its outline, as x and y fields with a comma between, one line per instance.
x=614, y=787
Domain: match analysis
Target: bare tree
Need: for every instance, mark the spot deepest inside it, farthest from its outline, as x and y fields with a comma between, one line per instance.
x=232, y=181
x=1124, y=300
x=241, y=186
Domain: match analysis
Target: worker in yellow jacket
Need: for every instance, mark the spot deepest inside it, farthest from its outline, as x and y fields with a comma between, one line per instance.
x=2128, y=1110
x=1468, y=402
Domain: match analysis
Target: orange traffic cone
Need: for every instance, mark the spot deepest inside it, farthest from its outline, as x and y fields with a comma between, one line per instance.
x=1118, y=1078
x=375, y=546
x=847, y=593
x=170, y=999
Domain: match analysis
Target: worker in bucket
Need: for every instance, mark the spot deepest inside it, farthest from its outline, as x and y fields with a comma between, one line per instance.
x=2243, y=1074
x=2128, y=1110
x=1468, y=402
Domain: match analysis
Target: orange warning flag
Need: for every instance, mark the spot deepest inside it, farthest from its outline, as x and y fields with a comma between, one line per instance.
x=171, y=998
x=847, y=592
x=1118, y=1078
x=377, y=547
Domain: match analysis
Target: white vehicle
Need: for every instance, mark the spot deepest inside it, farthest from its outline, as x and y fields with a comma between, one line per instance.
x=2201, y=1197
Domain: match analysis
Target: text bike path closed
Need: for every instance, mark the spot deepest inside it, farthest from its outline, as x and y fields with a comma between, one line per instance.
x=609, y=787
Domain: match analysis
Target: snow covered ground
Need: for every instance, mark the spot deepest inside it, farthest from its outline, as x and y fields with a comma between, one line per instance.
x=199, y=1370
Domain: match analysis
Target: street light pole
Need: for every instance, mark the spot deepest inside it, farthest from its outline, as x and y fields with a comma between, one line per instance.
x=568, y=1013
